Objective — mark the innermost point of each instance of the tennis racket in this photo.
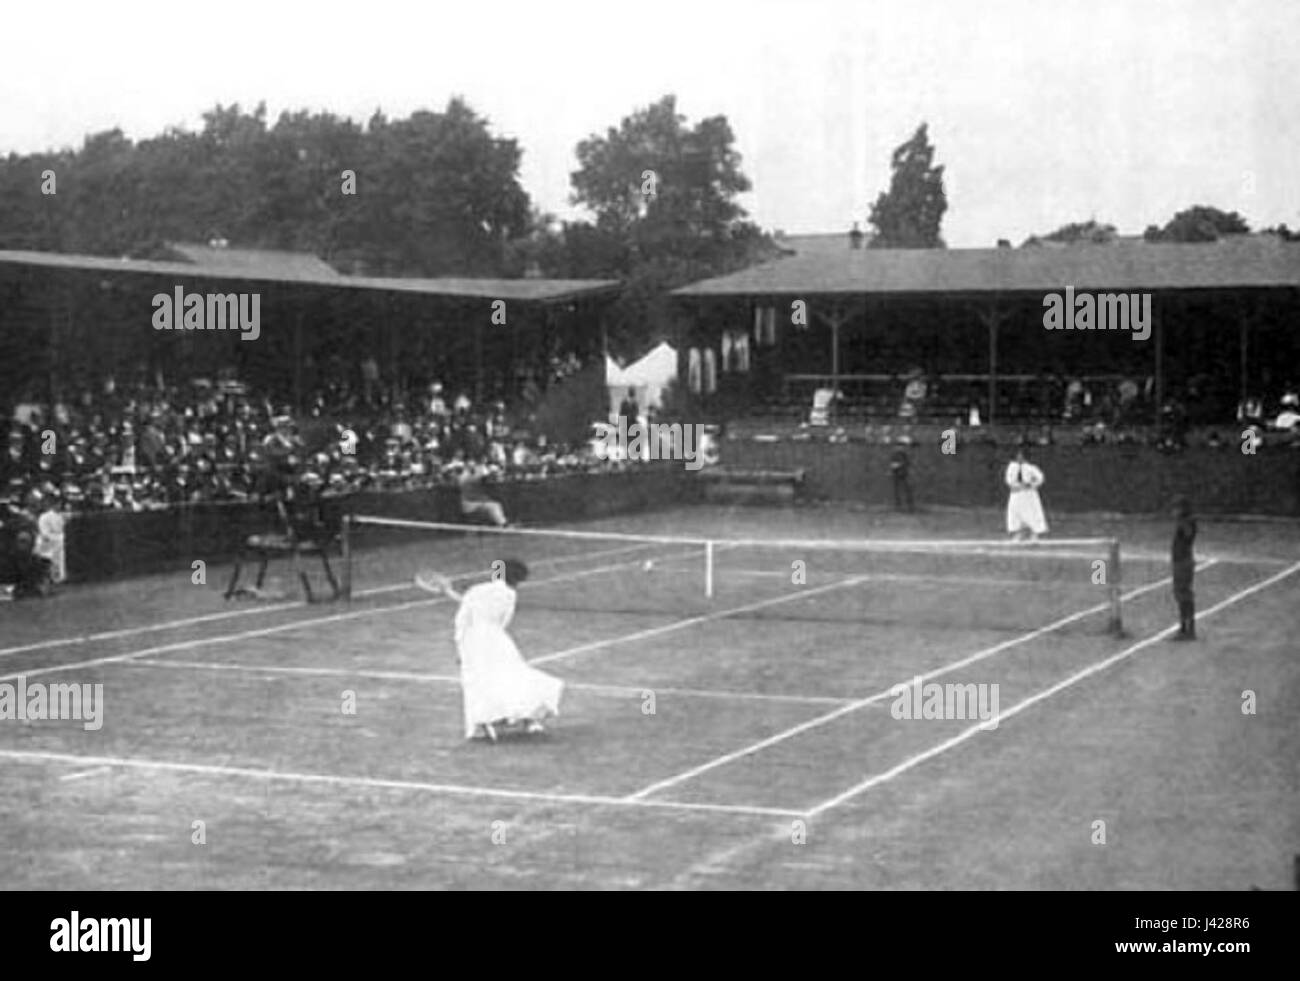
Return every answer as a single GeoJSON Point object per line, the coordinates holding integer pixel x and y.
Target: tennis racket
{"type": "Point", "coordinates": [433, 582]}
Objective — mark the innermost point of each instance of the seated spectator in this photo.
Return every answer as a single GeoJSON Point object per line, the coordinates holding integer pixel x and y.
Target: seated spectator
{"type": "Point", "coordinates": [1173, 426]}
{"type": "Point", "coordinates": [1251, 410]}
{"type": "Point", "coordinates": [1288, 418]}
{"type": "Point", "coordinates": [914, 393]}
{"type": "Point", "coordinates": [821, 410]}
{"type": "Point", "coordinates": [1127, 393]}
{"type": "Point", "coordinates": [437, 407]}
{"type": "Point", "coordinates": [1077, 399]}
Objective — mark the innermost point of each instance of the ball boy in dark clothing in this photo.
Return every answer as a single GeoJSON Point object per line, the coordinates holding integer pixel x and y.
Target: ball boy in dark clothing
{"type": "Point", "coordinates": [1184, 566]}
{"type": "Point", "coordinates": [899, 468]}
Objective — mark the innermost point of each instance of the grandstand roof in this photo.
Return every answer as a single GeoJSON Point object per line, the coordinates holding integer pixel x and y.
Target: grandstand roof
{"type": "Point", "coordinates": [1246, 261]}
{"type": "Point", "coordinates": [521, 290]}
{"type": "Point", "coordinates": [823, 243]}
{"type": "Point", "coordinates": [236, 262]}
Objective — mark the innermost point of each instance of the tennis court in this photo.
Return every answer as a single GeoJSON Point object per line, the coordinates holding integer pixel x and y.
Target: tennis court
{"type": "Point", "coordinates": [746, 739]}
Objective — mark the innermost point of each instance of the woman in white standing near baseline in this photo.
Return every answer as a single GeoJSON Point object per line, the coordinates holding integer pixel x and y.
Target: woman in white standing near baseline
{"type": "Point", "coordinates": [1024, 506]}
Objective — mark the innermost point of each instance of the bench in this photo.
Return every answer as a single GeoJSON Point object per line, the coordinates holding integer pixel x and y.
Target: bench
{"type": "Point", "coordinates": [752, 483]}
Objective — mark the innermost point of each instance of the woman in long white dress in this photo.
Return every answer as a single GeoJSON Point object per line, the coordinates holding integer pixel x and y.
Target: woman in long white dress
{"type": "Point", "coordinates": [1024, 506]}
{"type": "Point", "coordinates": [499, 687]}
{"type": "Point", "coordinates": [50, 541]}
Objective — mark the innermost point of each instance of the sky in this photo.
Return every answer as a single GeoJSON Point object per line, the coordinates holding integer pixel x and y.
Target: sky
{"type": "Point", "coordinates": [1041, 111]}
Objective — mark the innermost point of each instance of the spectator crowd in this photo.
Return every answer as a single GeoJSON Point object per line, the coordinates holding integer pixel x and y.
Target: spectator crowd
{"type": "Point", "coordinates": [1094, 410]}
{"type": "Point", "coordinates": [149, 445]}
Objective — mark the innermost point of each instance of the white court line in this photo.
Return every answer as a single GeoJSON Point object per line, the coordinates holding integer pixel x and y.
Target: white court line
{"type": "Point", "coordinates": [1034, 699]}
{"type": "Point", "coordinates": [802, 593]}
{"type": "Point", "coordinates": [711, 865]}
{"type": "Point", "coordinates": [272, 608]}
{"type": "Point", "coordinates": [635, 691]}
{"type": "Point", "coordinates": [30, 756]}
{"type": "Point", "coordinates": [903, 577]}
{"type": "Point", "coordinates": [93, 772]}
{"type": "Point", "coordinates": [295, 625]}
{"type": "Point", "coordinates": [881, 695]}
{"type": "Point", "coordinates": [186, 622]}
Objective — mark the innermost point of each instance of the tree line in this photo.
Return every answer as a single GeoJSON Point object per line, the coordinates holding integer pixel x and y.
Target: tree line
{"type": "Point", "coordinates": [438, 193]}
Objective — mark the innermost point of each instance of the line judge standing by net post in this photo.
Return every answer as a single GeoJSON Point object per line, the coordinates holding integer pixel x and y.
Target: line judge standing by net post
{"type": "Point", "coordinates": [900, 465]}
{"type": "Point", "coordinates": [1184, 568]}
{"type": "Point", "coordinates": [1024, 506]}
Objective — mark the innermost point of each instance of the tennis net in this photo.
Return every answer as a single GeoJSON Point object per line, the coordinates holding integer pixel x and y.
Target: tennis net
{"type": "Point", "coordinates": [956, 582]}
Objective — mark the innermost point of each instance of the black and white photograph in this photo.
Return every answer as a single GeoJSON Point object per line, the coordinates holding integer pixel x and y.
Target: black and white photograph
{"type": "Point", "coordinates": [765, 446]}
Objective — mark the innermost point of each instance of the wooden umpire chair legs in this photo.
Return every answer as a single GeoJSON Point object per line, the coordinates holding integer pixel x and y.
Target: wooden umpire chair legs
{"type": "Point", "coordinates": [296, 571]}
{"type": "Point", "coordinates": [232, 587]}
{"type": "Point", "coordinates": [240, 559]}
{"type": "Point", "coordinates": [322, 552]}
{"type": "Point", "coordinates": [306, 581]}
{"type": "Point", "coordinates": [329, 574]}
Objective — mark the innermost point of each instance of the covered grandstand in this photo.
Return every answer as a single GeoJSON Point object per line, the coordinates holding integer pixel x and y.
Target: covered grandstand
{"type": "Point", "coordinates": [91, 315]}
{"type": "Point", "coordinates": [969, 324]}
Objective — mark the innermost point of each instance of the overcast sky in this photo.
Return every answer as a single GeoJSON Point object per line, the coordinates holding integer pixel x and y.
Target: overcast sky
{"type": "Point", "coordinates": [1042, 111]}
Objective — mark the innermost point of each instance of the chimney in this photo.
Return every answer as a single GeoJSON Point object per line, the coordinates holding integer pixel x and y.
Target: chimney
{"type": "Point", "coordinates": [855, 237]}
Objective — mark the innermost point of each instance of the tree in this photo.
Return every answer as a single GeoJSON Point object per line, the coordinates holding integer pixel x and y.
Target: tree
{"type": "Point", "coordinates": [908, 216]}
{"type": "Point", "coordinates": [1089, 232]}
{"type": "Point", "coordinates": [442, 195]}
{"type": "Point", "coordinates": [657, 179]}
{"type": "Point", "coordinates": [438, 193]}
{"type": "Point", "coordinates": [664, 198]}
{"type": "Point", "coordinates": [1283, 232]}
{"type": "Point", "coordinates": [1201, 223]}
{"type": "Point", "coordinates": [301, 206]}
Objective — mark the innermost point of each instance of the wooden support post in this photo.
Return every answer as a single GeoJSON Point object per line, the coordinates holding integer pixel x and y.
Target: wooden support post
{"type": "Point", "coordinates": [478, 360]}
{"type": "Point", "coordinates": [835, 319]}
{"type": "Point", "coordinates": [1243, 329]}
{"type": "Point", "coordinates": [297, 364]}
{"type": "Point", "coordinates": [835, 360]}
{"type": "Point", "coordinates": [1160, 366]}
{"type": "Point", "coordinates": [991, 319]}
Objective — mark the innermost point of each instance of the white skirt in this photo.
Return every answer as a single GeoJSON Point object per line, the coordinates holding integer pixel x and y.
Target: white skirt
{"type": "Point", "coordinates": [1025, 510]}
{"type": "Point", "coordinates": [498, 684]}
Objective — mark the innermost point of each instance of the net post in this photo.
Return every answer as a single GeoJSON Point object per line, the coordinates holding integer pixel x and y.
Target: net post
{"type": "Point", "coordinates": [345, 544]}
{"type": "Point", "coordinates": [708, 569]}
{"type": "Point", "coordinates": [1114, 580]}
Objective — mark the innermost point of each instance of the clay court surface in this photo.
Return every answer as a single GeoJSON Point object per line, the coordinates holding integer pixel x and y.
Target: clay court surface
{"type": "Point", "coordinates": [699, 736]}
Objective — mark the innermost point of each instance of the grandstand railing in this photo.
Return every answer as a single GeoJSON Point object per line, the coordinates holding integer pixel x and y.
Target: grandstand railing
{"type": "Point", "coordinates": [1021, 397]}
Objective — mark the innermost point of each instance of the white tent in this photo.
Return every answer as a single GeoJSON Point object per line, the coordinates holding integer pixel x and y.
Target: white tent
{"type": "Point", "coordinates": [646, 378]}
{"type": "Point", "coordinates": [614, 375]}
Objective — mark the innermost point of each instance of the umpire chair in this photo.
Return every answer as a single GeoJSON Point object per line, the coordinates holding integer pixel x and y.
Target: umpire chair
{"type": "Point", "coordinates": [307, 526]}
